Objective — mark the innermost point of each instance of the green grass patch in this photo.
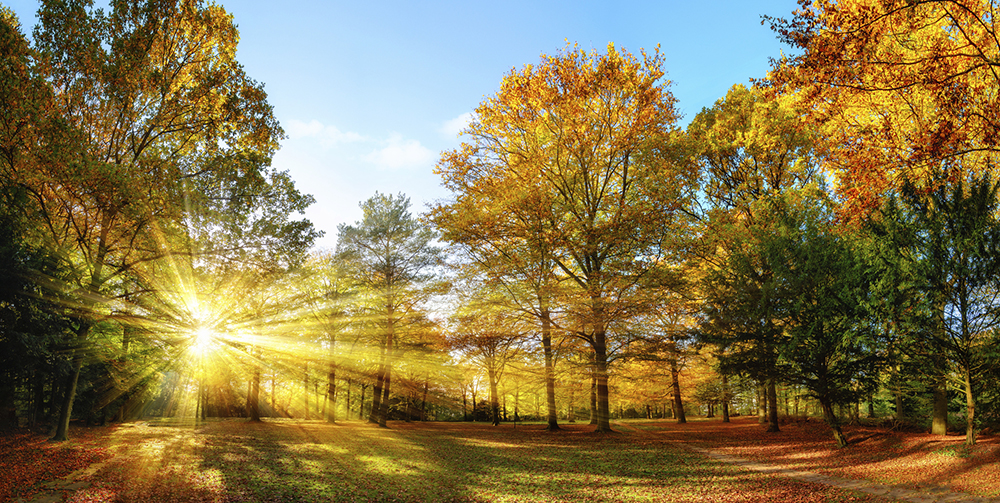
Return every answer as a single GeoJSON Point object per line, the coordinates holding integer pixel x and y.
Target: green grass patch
{"type": "Point", "coordinates": [234, 461]}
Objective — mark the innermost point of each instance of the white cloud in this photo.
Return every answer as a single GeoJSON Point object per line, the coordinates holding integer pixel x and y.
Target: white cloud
{"type": "Point", "coordinates": [327, 135]}
{"type": "Point", "coordinates": [452, 127]}
{"type": "Point", "coordinates": [400, 153]}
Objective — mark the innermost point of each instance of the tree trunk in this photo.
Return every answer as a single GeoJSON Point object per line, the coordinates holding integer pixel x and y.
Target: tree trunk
{"type": "Point", "coordinates": [725, 398]}
{"type": "Point", "coordinates": [253, 398]}
{"type": "Point", "coordinates": [593, 395]}
{"type": "Point", "coordinates": [772, 406]}
{"type": "Point", "coordinates": [390, 333]}
{"type": "Point", "coordinates": [305, 389]}
{"type": "Point", "coordinates": [970, 408]}
{"type": "Point", "coordinates": [762, 403]}
{"type": "Point", "coordinates": [377, 394]}
{"type": "Point", "coordinates": [494, 397]}
{"type": "Point", "coordinates": [833, 422]}
{"type": "Point", "coordinates": [550, 378]}
{"type": "Point", "coordinates": [939, 421]}
{"type": "Point", "coordinates": [66, 410]}
{"type": "Point", "coordinates": [331, 395]}
{"type": "Point", "coordinates": [571, 411]}
{"type": "Point", "coordinates": [383, 413]}
{"type": "Point", "coordinates": [675, 384]}
{"type": "Point", "coordinates": [423, 403]}
{"type": "Point", "coordinates": [361, 403]}
{"type": "Point", "coordinates": [601, 373]}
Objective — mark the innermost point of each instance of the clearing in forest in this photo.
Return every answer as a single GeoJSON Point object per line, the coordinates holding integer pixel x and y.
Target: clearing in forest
{"type": "Point", "coordinates": [291, 460]}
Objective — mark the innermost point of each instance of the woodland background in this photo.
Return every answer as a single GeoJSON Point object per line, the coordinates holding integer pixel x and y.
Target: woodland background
{"type": "Point", "coordinates": [823, 241]}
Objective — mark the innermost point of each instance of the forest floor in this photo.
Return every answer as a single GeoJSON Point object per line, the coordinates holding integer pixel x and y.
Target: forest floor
{"type": "Point", "coordinates": [292, 460]}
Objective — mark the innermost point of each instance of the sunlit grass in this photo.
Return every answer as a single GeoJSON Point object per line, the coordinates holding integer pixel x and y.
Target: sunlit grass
{"type": "Point", "coordinates": [289, 460]}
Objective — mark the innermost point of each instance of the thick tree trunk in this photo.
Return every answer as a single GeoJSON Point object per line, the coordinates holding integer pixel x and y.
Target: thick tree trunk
{"type": "Point", "coordinates": [550, 379]}
{"type": "Point", "coordinates": [675, 384]}
{"type": "Point", "coordinates": [772, 406]}
{"type": "Point", "coordinates": [725, 398]}
{"type": "Point", "coordinates": [601, 372]}
{"type": "Point", "coordinates": [833, 422]}
{"type": "Point", "coordinates": [939, 420]}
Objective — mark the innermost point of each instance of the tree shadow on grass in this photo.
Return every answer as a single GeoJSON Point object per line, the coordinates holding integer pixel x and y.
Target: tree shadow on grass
{"type": "Point", "coordinates": [417, 462]}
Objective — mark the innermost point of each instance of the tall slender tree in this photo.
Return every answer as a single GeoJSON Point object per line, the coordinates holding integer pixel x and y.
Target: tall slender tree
{"type": "Point", "coordinates": [390, 256]}
{"type": "Point", "coordinates": [593, 133]}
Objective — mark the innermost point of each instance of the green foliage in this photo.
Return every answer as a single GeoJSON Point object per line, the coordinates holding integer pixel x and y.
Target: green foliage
{"type": "Point", "coordinates": [789, 304]}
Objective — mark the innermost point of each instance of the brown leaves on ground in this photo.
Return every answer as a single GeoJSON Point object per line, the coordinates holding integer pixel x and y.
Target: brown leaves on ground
{"type": "Point", "coordinates": [28, 459]}
{"type": "Point", "coordinates": [288, 460]}
{"type": "Point", "coordinates": [877, 454]}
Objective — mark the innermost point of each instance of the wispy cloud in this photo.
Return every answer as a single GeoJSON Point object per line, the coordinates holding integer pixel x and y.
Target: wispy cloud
{"type": "Point", "coordinates": [452, 127]}
{"type": "Point", "coordinates": [400, 153]}
{"type": "Point", "coordinates": [327, 135]}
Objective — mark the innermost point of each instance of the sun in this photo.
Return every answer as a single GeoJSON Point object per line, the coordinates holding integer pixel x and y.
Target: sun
{"type": "Point", "coordinates": [203, 340]}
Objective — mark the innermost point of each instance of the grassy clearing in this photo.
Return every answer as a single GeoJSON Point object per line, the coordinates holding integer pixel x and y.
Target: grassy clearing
{"type": "Point", "coordinates": [312, 461]}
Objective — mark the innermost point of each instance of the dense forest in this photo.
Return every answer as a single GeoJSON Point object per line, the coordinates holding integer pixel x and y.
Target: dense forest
{"type": "Point", "coordinates": [823, 241]}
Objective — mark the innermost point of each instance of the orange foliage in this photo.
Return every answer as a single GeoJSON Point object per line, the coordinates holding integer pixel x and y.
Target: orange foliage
{"type": "Point", "coordinates": [905, 89]}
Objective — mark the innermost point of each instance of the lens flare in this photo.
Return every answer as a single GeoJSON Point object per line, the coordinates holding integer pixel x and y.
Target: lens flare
{"type": "Point", "coordinates": [203, 340]}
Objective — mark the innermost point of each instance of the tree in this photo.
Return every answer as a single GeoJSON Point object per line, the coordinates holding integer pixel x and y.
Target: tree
{"type": "Point", "coordinates": [490, 337]}
{"type": "Point", "coordinates": [950, 247]}
{"type": "Point", "coordinates": [742, 313]}
{"type": "Point", "coordinates": [592, 132]}
{"type": "Point", "coordinates": [750, 147]}
{"type": "Point", "coordinates": [158, 120]}
{"type": "Point", "coordinates": [389, 255]}
{"type": "Point", "coordinates": [831, 347]}
{"type": "Point", "coordinates": [506, 242]}
{"type": "Point", "coordinates": [904, 88]}
{"type": "Point", "coordinates": [327, 300]}
{"type": "Point", "coordinates": [790, 305]}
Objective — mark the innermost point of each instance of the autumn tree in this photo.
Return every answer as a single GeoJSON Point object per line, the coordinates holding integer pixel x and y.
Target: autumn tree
{"type": "Point", "coordinates": [905, 90]}
{"type": "Point", "coordinates": [390, 257]}
{"type": "Point", "coordinates": [506, 244]}
{"type": "Point", "coordinates": [157, 118]}
{"type": "Point", "coordinates": [592, 133]}
{"type": "Point", "coordinates": [749, 147]}
{"type": "Point", "coordinates": [490, 337]}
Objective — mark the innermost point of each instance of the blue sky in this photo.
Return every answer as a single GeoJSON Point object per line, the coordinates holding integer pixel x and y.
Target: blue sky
{"type": "Point", "coordinates": [370, 92]}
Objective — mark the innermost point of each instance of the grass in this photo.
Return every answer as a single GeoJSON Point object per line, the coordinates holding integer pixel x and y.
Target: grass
{"type": "Point", "coordinates": [287, 460]}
